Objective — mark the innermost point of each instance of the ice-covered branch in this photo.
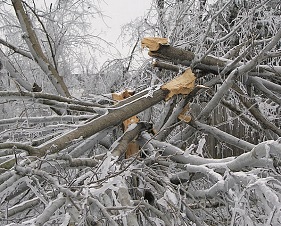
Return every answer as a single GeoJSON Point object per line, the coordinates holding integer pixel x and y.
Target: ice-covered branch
{"type": "Point", "coordinates": [119, 147]}
{"type": "Point", "coordinates": [223, 136]}
{"type": "Point", "coordinates": [258, 83]}
{"type": "Point", "coordinates": [47, 96]}
{"type": "Point", "coordinates": [251, 106]}
{"type": "Point", "coordinates": [16, 49]}
{"type": "Point", "coordinates": [48, 177]}
{"type": "Point", "coordinates": [49, 210]}
{"type": "Point", "coordinates": [45, 119]}
{"type": "Point", "coordinates": [13, 72]}
{"type": "Point", "coordinates": [125, 200]}
{"type": "Point", "coordinates": [160, 214]}
{"type": "Point", "coordinates": [36, 49]}
{"type": "Point", "coordinates": [176, 154]}
{"type": "Point", "coordinates": [104, 211]}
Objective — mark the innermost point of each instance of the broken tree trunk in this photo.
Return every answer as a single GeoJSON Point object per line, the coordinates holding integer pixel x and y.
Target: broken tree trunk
{"type": "Point", "coordinates": [113, 117]}
{"type": "Point", "coordinates": [160, 49]}
{"type": "Point", "coordinates": [132, 146]}
{"type": "Point", "coordinates": [182, 84]}
{"type": "Point", "coordinates": [123, 143]}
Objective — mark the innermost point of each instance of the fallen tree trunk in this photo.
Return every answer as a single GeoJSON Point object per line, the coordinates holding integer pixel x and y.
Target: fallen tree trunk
{"type": "Point", "coordinates": [183, 84]}
{"type": "Point", "coordinates": [112, 118]}
{"type": "Point", "coordinates": [208, 64]}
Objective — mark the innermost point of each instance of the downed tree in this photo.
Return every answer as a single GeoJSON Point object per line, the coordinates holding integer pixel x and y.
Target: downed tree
{"type": "Point", "coordinates": [113, 116]}
{"type": "Point", "coordinates": [185, 169]}
{"type": "Point", "coordinates": [188, 167]}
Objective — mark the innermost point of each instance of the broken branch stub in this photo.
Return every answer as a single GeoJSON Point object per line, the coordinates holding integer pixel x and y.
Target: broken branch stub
{"type": "Point", "coordinates": [184, 116]}
{"type": "Point", "coordinates": [132, 147]}
{"type": "Point", "coordinates": [182, 84]}
{"type": "Point", "coordinates": [153, 43]}
{"type": "Point", "coordinates": [121, 96]}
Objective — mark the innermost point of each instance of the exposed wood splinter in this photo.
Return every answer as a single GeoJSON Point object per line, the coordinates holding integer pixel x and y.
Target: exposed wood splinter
{"type": "Point", "coordinates": [182, 84]}
{"type": "Point", "coordinates": [132, 147]}
{"type": "Point", "coordinates": [184, 116]}
{"type": "Point", "coordinates": [153, 43]}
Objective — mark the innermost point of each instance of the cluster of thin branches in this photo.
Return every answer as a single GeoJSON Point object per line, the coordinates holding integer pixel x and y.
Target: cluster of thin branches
{"type": "Point", "coordinates": [64, 161]}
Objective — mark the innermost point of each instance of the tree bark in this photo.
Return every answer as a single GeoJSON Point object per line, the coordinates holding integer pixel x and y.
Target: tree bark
{"type": "Point", "coordinates": [180, 56]}
{"type": "Point", "coordinates": [209, 64]}
{"type": "Point", "coordinates": [36, 50]}
{"type": "Point", "coordinates": [112, 118]}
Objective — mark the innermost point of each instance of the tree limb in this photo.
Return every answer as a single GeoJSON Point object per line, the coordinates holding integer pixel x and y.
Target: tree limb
{"type": "Point", "coordinates": [119, 147]}
{"type": "Point", "coordinates": [16, 49]}
{"type": "Point", "coordinates": [113, 118]}
{"type": "Point", "coordinates": [36, 50]}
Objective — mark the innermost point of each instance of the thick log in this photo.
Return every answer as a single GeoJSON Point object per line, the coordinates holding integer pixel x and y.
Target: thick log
{"type": "Point", "coordinates": [210, 64]}
{"type": "Point", "coordinates": [35, 48]}
{"type": "Point", "coordinates": [121, 146]}
{"type": "Point", "coordinates": [112, 118]}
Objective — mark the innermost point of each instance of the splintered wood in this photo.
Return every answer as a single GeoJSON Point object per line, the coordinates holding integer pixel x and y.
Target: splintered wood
{"type": "Point", "coordinates": [133, 147]}
{"type": "Point", "coordinates": [153, 43]}
{"type": "Point", "coordinates": [123, 95]}
{"type": "Point", "coordinates": [184, 116]}
{"type": "Point", "coordinates": [182, 84]}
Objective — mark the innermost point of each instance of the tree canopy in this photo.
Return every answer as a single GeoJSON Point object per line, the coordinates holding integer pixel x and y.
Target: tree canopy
{"type": "Point", "coordinates": [189, 137]}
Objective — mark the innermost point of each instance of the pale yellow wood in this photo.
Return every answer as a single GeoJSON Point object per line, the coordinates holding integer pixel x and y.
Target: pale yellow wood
{"type": "Point", "coordinates": [182, 84]}
{"type": "Point", "coordinates": [153, 43]}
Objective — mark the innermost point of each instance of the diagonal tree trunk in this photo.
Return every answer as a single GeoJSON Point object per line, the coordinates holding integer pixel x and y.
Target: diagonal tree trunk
{"type": "Point", "coordinates": [115, 116]}
{"type": "Point", "coordinates": [36, 50]}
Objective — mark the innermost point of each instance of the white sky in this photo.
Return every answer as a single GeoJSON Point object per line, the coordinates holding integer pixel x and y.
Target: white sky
{"type": "Point", "coordinates": [117, 13]}
{"type": "Point", "coordinates": [120, 12]}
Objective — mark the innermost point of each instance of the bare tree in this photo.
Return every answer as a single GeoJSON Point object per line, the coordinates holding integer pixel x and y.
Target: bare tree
{"type": "Point", "coordinates": [202, 122]}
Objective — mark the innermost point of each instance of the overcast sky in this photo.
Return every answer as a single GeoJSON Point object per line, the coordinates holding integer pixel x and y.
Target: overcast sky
{"type": "Point", "coordinates": [120, 12]}
{"type": "Point", "coordinates": [117, 13]}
